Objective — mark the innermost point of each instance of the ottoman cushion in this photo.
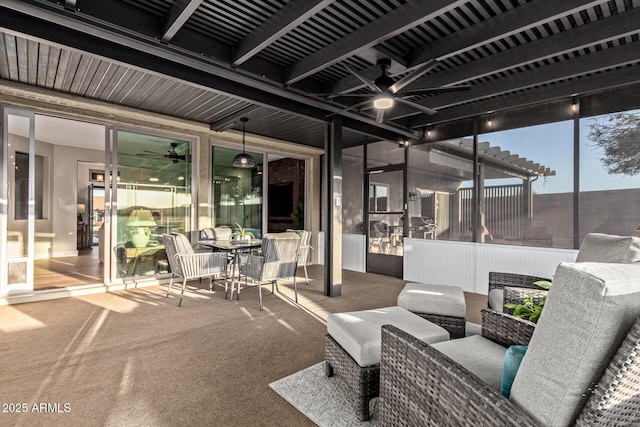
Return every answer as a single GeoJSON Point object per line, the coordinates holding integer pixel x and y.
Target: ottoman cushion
{"type": "Point", "coordinates": [359, 332]}
{"type": "Point", "coordinates": [433, 299]}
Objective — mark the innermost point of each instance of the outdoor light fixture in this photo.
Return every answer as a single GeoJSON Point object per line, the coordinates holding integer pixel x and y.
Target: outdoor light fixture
{"type": "Point", "coordinates": [244, 160]}
{"type": "Point", "coordinates": [383, 102]}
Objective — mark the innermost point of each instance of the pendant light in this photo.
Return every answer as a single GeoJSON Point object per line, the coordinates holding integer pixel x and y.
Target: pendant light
{"type": "Point", "coordinates": [244, 160]}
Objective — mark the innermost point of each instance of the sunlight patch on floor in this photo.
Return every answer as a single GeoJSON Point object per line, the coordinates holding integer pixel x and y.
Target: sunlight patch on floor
{"type": "Point", "coordinates": [14, 320]}
{"type": "Point", "coordinates": [111, 302]}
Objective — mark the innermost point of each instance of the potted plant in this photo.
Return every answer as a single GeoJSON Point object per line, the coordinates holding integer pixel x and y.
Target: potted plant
{"type": "Point", "coordinates": [242, 235]}
{"type": "Point", "coordinates": [528, 309]}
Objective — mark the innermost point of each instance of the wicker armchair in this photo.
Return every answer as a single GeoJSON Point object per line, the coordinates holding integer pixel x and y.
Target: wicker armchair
{"type": "Point", "coordinates": [507, 288]}
{"type": "Point", "coordinates": [459, 398]}
{"type": "Point", "coordinates": [580, 369]}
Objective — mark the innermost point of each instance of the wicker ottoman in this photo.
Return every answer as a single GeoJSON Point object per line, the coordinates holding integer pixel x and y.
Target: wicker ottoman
{"type": "Point", "coordinates": [353, 342]}
{"type": "Point", "coordinates": [442, 305]}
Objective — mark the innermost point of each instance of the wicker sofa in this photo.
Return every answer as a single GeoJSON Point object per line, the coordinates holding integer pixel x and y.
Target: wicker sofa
{"type": "Point", "coordinates": [582, 365]}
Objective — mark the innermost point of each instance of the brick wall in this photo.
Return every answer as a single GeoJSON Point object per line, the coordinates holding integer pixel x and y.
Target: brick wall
{"type": "Point", "coordinates": [282, 171]}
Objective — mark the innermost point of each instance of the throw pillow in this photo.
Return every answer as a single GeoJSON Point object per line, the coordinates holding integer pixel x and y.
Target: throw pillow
{"type": "Point", "coordinates": [512, 359]}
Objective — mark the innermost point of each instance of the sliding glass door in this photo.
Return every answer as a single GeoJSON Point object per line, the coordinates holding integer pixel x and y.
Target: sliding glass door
{"type": "Point", "coordinates": [21, 194]}
{"type": "Point", "coordinates": [237, 192]}
{"type": "Point", "coordinates": [154, 196]}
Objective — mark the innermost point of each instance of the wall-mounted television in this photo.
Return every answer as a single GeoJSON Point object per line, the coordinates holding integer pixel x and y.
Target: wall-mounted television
{"type": "Point", "coordinates": [281, 199]}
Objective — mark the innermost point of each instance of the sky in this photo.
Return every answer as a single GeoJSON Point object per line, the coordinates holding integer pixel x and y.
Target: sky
{"type": "Point", "coordinates": [551, 145]}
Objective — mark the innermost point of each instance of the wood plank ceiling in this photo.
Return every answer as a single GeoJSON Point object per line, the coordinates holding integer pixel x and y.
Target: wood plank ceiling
{"type": "Point", "coordinates": [213, 61]}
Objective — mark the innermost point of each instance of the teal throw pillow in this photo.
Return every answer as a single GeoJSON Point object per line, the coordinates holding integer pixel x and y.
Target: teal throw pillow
{"type": "Point", "coordinates": [512, 359]}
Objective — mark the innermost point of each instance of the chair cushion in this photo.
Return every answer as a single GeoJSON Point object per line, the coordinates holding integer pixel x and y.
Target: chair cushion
{"type": "Point", "coordinates": [589, 310]}
{"type": "Point", "coordinates": [512, 360]}
{"type": "Point", "coordinates": [496, 299]}
{"type": "Point", "coordinates": [183, 245]}
{"type": "Point", "coordinates": [359, 332]}
{"type": "Point", "coordinates": [433, 299]}
{"type": "Point", "coordinates": [207, 234]}
{"type": "Point", "coordinates": [479, 355]}
{"type": "Point", "coordinates": [598, 247]}
{"type": "Point", "coordinates": [222, 233]}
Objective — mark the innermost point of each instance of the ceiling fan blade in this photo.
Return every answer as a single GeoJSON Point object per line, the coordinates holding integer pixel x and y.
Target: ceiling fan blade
{"type": "Point", "coordinates": [379, 116]}
{"type": "Point", "coordinates": [371, 85]}
{"type": "Point", "coordinates": [428, 90]}
{"type": "Point", "coordinates": [352, 95]}
{"type": "Point", "coordinates": [152, 152]}
{"type": "Point", "coordinates": [421, 108]}
{"type": "Point", "coordinates": [351, 107]}
{"type": "Point", "coordinates": [413, 76]}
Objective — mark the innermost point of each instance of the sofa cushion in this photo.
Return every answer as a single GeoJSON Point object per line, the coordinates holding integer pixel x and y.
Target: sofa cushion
{"type": "Point", "coordinates": [589, 310]}
{"type": "Point", "coordinates": [598, 247]}
{"type": "Point", "coordinates": [359, 332]}
{"type": "Point", "coordinates": [479, 355]}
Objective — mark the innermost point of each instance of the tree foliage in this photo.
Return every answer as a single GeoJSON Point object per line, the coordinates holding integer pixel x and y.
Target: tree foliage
{"type": "Point", "coordinates": [619, 139]}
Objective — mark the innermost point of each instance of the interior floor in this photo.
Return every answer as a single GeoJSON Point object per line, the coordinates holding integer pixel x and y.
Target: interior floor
{"type": "Point", "coordinates": [84, 269]}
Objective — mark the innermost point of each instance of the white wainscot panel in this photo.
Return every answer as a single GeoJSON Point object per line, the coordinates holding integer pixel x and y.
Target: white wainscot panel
{"type": "Point", "coordinates": [439, 262]}
{"type": "Point", "coordinates": [353, 251]}
{"type": "Point", "coordinates": [467, 265]}
{"type": "Point", "coordinates": [532, 261]}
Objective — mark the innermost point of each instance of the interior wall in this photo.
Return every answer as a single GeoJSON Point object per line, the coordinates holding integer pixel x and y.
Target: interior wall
{"type": "Point", "coordinates": [66, 190]}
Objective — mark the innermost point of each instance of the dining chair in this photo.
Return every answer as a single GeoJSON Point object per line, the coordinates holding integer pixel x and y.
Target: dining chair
{"type": "Point", "coordinates": [279, 260]}
{"type": "Point", "coordinates": [188, 264]}
{"type": "Point", "coordinates": [304, 250]}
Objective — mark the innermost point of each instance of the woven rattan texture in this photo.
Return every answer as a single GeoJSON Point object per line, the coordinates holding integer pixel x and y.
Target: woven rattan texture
{"type": "Point", "coordinates": [616, 399]}
{"type": "Point", "coordinates": [456, 326]}
{"type": "Point", "coordinates": [419, 386]}
{"type": "Point", "coordinates": [365, 381]}
{"type": "Point", "coordinates": [505, 329]}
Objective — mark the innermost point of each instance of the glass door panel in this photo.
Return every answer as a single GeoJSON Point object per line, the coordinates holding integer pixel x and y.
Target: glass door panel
{"type": "Point", "coordinates": [237, 192]}
{"type": "Point", "coordinates": [385, 212]}
{"type": "Point", "coordinates": [153, 197]}
{"type": "Point", "coordinates": [20, 203]}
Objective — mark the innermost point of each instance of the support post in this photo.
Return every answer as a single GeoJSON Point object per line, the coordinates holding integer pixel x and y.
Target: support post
{"type": "Point", "coordinates": [333, 218]}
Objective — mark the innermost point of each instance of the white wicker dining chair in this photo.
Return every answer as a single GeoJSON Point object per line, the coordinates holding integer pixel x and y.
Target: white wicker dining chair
{"type": "Point", "coordinates": [304, 250]}
{"type": "Point", "coordinates": [188, 264]}
{"type": "Point", "coordinates": [279, 260]}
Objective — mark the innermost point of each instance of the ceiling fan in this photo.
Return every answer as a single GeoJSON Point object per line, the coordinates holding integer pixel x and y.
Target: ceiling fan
{"type": "Point", "coordinates": [386, 91]}
{"type": "Point", "coordinates": [172, 153]}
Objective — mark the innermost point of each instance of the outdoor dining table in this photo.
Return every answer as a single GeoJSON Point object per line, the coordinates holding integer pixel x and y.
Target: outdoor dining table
{"type": "Point", "coordinates": [234, 248]}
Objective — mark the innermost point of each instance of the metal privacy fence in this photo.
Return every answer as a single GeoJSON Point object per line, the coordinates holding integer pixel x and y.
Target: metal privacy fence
{"type": "Point", "coordinates": [504, 208]}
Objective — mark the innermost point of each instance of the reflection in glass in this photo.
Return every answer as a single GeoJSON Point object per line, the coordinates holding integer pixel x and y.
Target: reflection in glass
{"type": "Point", "coordinates": [237, 193]}
{"type": "Point", "coordinates": [352, 185]}
{"type": "Point", "coordinates": [154, 197]}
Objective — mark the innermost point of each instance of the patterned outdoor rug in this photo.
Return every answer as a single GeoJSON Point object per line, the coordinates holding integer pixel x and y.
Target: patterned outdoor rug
{"type": "Point", "coordinates": [329, 401]}
{"type": "Point", "coordinates": [325, 401]}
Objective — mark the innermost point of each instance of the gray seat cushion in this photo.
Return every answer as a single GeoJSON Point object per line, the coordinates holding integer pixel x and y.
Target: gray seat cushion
{"type": "Point", "coordinates": [589, 310]}
{"type": "Point", "coordinates": [359, 332]}
{"type": "Point", "coordinates": [433, 299]}
{"type": "Point", "coordinates": [598, 247]}
{"type": "Point", "coordinates": [479, 355]}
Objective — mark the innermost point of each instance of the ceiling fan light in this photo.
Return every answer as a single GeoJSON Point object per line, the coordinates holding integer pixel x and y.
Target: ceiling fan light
{"type": "Point", "coordinates": [383, 102]}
